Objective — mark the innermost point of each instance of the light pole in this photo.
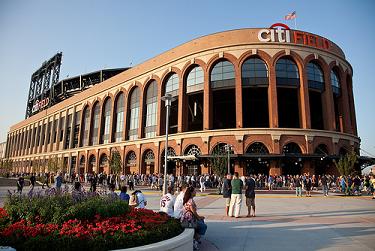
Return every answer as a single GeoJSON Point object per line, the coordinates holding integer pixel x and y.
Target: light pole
{"type": "Point", "coordinates": [227, 148]}
{"type": "Point", "coordinates": [168, 101]}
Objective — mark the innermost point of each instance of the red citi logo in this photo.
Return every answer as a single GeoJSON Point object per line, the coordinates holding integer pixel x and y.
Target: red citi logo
{"type": "Point", "coordinates": [40, 105]}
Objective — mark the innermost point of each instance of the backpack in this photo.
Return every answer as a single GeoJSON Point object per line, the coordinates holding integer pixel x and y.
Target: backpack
{"type": "Point", "coordinates": [133, 201]}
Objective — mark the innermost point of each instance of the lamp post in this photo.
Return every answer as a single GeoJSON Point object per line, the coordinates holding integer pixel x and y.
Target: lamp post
{"type": "Point", "coordinates": [168, 101]}
{"type": "Point", "coordinates": [227, 148]}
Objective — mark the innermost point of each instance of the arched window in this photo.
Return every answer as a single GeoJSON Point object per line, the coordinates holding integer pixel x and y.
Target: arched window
{"type": "Point", "coordinates": [95, 124]}
{"type": "Point", "coordinates": [119, 117]}
{"type": "Point", "coordinates": [92, 164]}
{"type": "Point", "coordinates": [222, 75]}
{"type": "Point", "coordinates": [254, 72]}
{"type": "Point", "coordinates": [257, 148]}
{"type": "Point", "coordinates": [171, 87]}
{"type": "Point", "coordinates": [195, 80]}
{"type": "Point", "coordinates": [131, 159]}
{"type": "Point", "coordinates": [287, 72]}
{"type": "Point", "coordinates": [85, 127]}
{"type": "Point", "coordinates": [221, 149]}
{"type": "Point", "coordinates": [134, 114]}
{"type": "Point", "coordinates": [335, 82]}
{"type": "Point", "coordinates": [321, 150]}
{"type": "Point", "coordinates": [106, 121]}
{"type": "Point", "coordinates": [292, 148]}
{"type": "Point", "coordinates": [151, 110]}
{"type": "Point", "coordinates": [193, 150]}
{"type": "Point", "coordinates": [315, 76]}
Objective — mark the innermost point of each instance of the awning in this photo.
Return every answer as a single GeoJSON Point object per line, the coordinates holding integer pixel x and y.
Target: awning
{"type": "Point", "coordinates": [182, 157]}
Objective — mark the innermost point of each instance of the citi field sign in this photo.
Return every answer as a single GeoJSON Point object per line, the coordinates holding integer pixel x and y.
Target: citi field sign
{"type": "Point", "coordinates": [40, 105]}
{"type": "Point", "coordinates": [281, 33]}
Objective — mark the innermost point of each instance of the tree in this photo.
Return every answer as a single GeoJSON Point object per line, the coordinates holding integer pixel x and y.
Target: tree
{"type": "Point", "coordinates": [346, 164]}
{"type": "Point", "coordinates": [115, 162]}
{"type": "Point", "coordinates": [6, 166]}
{"type": "Point", "coordinates": [219, 162]}
{"type": "Point", "coordinates": [54, 164]}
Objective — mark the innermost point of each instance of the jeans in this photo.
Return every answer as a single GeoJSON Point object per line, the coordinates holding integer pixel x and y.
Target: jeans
{"type": "Point", "coordinates": [235, 204]}
{"type": "Point", "coordinates": [202, 227]}
{"type": "Point", "coordinates": [299, 191]}
{"type": "Point", "coordinates": [325, 190]}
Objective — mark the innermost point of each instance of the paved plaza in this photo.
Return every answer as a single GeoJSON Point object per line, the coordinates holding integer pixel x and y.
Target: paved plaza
{"type": "Point", "coordinates": [283, 222]}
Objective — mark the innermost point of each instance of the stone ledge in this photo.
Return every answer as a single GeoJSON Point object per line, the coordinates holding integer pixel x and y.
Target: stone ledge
{"type": "Point", "coordinates": [182, 242]}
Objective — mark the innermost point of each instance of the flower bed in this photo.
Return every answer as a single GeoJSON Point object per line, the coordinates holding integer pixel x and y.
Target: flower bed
{"type": "Point", "coordinates": [91, 224]}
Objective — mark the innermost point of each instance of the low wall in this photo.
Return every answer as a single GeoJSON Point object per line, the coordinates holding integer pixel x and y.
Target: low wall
{"type": "Point", "coordinates": [182, 242]}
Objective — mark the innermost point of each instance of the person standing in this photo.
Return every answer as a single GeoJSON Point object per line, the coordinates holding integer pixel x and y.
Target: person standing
{"type": "Point", "coordinates": [236, 197]}
{"type": "Point", "coordinates": [58, 182]}
{"type": "Point", "coordinates": [227, 192]}
{"type": "Point", "coordinates": [202, 181]}
{"type": "Point", "coordinates": [32, 181]}
{"type": "Point", "coordinates": [93, 182]}
{"type": "Point", "coordinates": [250, 196]}
{"type": "Point", "coordinates": [308, 185]}
{"type": "Point", "coordinates": [45, 182]}
{"type": "Point", "coordinates": [167, 202]}
{"type": "Point", "coordinates": [298, 186]}
{"type": "Point", "coordinates": [324, 182]}
{"type": "Point", "coordinates": [20, 184]}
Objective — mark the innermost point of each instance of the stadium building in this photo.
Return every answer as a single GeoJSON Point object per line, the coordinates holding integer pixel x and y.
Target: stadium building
{"type": "Point", "coordinates": [282, 99]}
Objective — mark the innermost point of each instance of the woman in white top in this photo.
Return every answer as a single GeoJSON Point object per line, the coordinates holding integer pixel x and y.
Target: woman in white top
{"type": "Point", "coordinates": [179, 202]}
{"type": "Point", "coordinates": [167, 202]}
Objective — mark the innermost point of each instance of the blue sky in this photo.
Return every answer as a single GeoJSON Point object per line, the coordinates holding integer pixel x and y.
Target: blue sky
{"type": "Point", "coordinates": [108, 34]}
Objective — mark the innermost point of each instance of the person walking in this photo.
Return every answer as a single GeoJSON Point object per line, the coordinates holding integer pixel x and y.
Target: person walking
{"type": "Point", "coordinates": [298, 186]}
{"type": "Point", "coordinates": [324, 182]}
{"type": "Point", "coordinates": [308, 185]}
{"type": "Point", "coordinates": [32, 181]}
{"type": "Point", "coordinates": [236, 197]}
{"type": "Point", "coordinates": [20, 184]}
{"type": "Point", "coordinates": [250, 196]}
{"type": "Point", "coordinates": [202, 181]}
{"type": "Point", "coordinates": [58, 182]}
{"type": "Point", "coordinates": [46, 179]}
{"type": "Point", "coordinates": [227, 192]}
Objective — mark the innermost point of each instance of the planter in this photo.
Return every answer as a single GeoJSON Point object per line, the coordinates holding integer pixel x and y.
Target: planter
{"type": "Point", "coordinates": [182, 242]}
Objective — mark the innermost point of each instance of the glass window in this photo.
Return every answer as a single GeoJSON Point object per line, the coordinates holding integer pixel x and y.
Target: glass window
{"type": "Point", "coordinates": [195, 80]}
{"type": "Point", "coordinates": [254, 73]}
{"type": "Point", "coordinates": [222, 75]}
{"type": "Point", "coordinates": [77, 122]}
{"type": "Point", "coordinates": [134, 114]}
{"type": "Point", "coordinates": [86, 126]}
{"type": "Point", "coordinates": [315, 76]}
{"type": "Point", "coordinates": [171, 86]}
{"type": "Point", "coordinates": [335, 82]}
{"type": "Point", "coordinates": [151, 109]}
{"type": "Point", "coordinates": [95, 124]}
{"type": "Point", "coordinates": [119, 123]}
{"type": "Point", "coordinates": [106, 121]}
{"type": "Point", "coordinates": [287, 72]}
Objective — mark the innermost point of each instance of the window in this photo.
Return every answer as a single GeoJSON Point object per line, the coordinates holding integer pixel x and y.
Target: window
{"type": "Point", "coordinates": [85, 127]}
{"type": "Point", "coordinates": [119, 120]}
{"type": "Point", "coordinates": [287, 73]}
{"type": "Point", "coordinates": [151, 110]}
{"type": "Point", "coordinates": [95, 124]}
{"type": "Point", "coordinates": [222, 75]}
{"type": "Point", "coordinates": [315, 76]}
{"type": "Point", "coordinates": [77, 122]}
{"type": "Point", "coordinates": [195, 80]}
{"type": "Point", "coordinates": [171, 87]}
{"type": "Point", "coordinates": [106, 121]}
{"type": "Point", "coordinates": [62, 126]}
{"type": "Point", "coordinates": [68, 131]}
{"type": "Point", "coordinates": [254, 73]}
{"type": "Point", "coordinates": [335, 82]}
{"type": "Point", "coordinates": [134, 114]}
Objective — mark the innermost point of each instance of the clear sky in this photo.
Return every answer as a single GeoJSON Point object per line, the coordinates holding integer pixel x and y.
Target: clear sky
{"type": "Point", "coordinates": [108, 34]}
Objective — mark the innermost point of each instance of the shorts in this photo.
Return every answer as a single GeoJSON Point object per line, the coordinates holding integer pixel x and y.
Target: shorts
{"type": "Point", "coordinates": [227, 202]}
{"type": "Point", "coordinates": [250, 202]}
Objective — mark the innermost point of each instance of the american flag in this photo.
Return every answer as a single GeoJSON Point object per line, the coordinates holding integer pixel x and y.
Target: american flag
{"type": "Point", "coordinates": [290, 16]}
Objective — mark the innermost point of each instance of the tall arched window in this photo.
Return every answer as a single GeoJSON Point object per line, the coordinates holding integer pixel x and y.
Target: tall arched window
{"type": "Point", "coordinates": [336, 90]}
{"type": "Point", "coordinates": [315, 80]}
{"type": "Point", "coordinates": [171, 87]}
{"type": "Point", "coordinates": [222, 82]}
{"type": "Point", "coordinates": [95, 124]}
{"type": "Point", "coordinates": [85, 127]}
{"type": "Point", "coordinates": [194, 96]}
{"type": "Point", "coordinates": [106, 121]}
{"type": "Point", "coordinates": [151, 104]}
{"type": "Point", "coordinates": [287, 82]}
{"type": "Point", "coordinates": [255, 93]}
{"type": "Point", "coordinates": [119, 117]}
{"type": "Point", "coordinates": [134, 114]}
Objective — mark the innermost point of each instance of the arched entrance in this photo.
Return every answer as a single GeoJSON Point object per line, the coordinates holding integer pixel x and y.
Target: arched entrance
{"type": "Point", "coordinates": [171, 166]}
{"type": "Point", "coordinates": [103, 163]}
{"type": "Point", "coordinates": [191, 167]}
{"type": "Point", "coordinates": [82, 163]}
{"type": "Point", "coordinates": [131, 163]}
{"type": "Point", "coordinates": [321, 163]}
{"type": "Point", "coordinates": [92, 164]}
{"type": "Point", "coordinates": [148, 163]}
{"type": "Point", "coordinates": [292, 162]}
{"type": "Point", "coordinates": [219, 159]}
{"type": "Point", "coordinates": [256, 163]}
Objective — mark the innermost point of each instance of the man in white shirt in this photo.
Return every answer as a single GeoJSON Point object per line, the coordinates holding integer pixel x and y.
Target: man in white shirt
{"type": "Point", "coordinates": [179, 202]}
{"type": "Point", "coordinates": [142, 202]}
{"type": "Point", "coordinates": [167, 202]}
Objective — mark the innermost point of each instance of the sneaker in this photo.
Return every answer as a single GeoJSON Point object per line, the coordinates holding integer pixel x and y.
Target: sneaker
{"type": "Point", "coordinates": [195, 245]}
